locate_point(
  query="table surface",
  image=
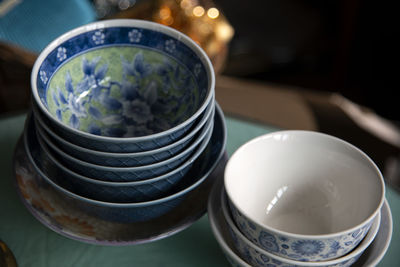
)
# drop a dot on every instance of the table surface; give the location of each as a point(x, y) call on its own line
point(33, 244)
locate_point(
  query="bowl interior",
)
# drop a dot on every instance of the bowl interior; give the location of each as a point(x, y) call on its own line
point(304, 183)
point(122, 81)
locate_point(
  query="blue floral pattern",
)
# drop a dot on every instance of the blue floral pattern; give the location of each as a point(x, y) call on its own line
point(308, 247)
point(135, 106)
point(43, 76)
point(135, 36)
point(298, 249)
point(161, 83)
point(268, 242)
point(98, 37)
point(255, 257)
point(61, 53)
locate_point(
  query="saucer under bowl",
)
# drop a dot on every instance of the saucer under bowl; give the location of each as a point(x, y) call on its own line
point(60, 214)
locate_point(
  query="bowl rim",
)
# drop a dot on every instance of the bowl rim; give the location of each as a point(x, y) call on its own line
point(204, 135)
point(125, 23)
point(367, 240)
point(311, 236)
point(215, 225)
point(208, 113)
point(220, 116)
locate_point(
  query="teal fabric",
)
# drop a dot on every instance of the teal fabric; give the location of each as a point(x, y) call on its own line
point(33, 24)
point(35, 245)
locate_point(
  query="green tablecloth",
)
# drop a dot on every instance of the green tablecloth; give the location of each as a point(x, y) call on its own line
point(35, 245)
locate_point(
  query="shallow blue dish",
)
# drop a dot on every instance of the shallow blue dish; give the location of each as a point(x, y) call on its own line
point(122, 85)
point(139, 211)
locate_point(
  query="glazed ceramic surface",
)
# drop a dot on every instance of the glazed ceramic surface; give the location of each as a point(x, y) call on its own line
point(126, 174)
point(219, 227)
point(123, 79)
point(256, 256)
point(370, 257)
point(130, 212)
point(376, 251)
point(62, 215)
point(126, 159)
point(121, 192)
point(291, 193)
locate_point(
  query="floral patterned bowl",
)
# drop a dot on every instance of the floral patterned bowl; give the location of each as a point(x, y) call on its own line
point(134, 211)
point(122, 85)
point(303, 195)
point(257, 256)
point(126, 174)
point(119, 192)
point(124, 159)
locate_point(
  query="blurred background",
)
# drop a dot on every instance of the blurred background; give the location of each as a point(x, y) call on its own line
point(326, 65)
point(336, 46)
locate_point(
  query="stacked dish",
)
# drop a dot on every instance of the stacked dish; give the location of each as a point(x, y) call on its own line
point(122, 109)
point(299, 198)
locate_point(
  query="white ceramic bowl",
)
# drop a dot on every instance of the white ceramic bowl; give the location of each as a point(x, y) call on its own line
point(219, 227)
point(256, 256)
point(303, 195)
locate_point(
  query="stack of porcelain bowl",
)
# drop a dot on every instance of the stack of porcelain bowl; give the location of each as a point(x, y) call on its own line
point(300, 198)
point(121, 111)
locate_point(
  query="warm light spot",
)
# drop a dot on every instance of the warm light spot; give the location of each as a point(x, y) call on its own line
point(198, 11)
point(168, 21)
point(205, 28)
point(187, 4)
point(224, 31)
point(165, 13)
point(213, 13)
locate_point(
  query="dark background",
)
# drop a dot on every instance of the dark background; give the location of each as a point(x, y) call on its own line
point(350, 47)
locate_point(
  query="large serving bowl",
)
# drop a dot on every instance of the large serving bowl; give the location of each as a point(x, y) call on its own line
point(121, 192)
point(303, 195)
point(125, 174)
point(257, 256)
point(135, 211)
point(124, 159)
point(122, 85)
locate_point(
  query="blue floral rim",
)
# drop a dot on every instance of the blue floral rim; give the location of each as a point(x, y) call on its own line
point(120, 36)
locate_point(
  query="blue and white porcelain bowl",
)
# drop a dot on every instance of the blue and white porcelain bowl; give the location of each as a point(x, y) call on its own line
point(303, 195)
point(121, 192)
point(126, 174)
point(122, 85)
point(256, 256)
point(124, 159)
point(134, 211)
